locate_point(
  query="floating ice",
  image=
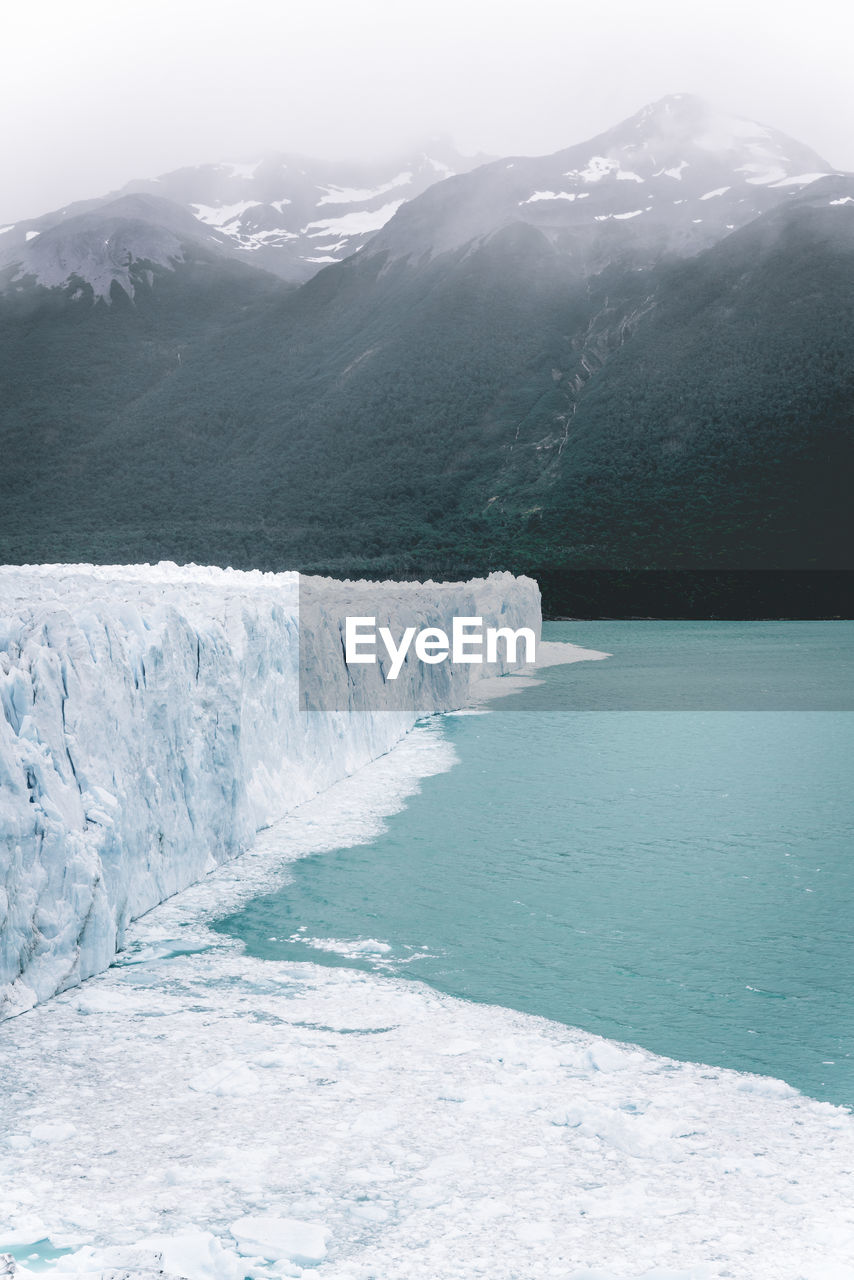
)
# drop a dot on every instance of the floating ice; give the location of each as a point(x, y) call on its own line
point(276, 1238)
point(362, 946)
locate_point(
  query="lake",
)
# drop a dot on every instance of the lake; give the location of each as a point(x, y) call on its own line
point(656, 847)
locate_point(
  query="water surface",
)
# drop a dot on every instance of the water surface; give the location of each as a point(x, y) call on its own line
point(682, 879)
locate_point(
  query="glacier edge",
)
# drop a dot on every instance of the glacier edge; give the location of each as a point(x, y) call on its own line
point(151, 725)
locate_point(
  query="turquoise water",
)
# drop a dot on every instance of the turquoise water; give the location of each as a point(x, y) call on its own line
point(38, 1256)
point(680, 879)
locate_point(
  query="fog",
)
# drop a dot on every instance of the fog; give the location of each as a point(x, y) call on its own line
point(96, 92)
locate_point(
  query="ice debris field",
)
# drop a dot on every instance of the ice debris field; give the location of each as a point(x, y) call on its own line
point(192, 1112)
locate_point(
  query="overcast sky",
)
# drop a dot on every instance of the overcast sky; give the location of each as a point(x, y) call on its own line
point(96, 92)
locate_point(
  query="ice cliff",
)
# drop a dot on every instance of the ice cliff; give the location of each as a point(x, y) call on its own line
point(153, 720)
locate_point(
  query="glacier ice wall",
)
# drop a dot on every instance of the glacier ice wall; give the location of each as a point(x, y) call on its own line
point(152, 724)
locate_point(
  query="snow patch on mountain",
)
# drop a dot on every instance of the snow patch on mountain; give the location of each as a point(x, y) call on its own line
point(674, 172)
point(555, 195)
point(352, 195)
point(354, 223)
point(800, 179)
point(620, 217)
point(222, 215)
point(763, 174)
point(244, 172)
point(724, 132)
point(597, 168)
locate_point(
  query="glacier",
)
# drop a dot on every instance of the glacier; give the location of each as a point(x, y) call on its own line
point(153, 721)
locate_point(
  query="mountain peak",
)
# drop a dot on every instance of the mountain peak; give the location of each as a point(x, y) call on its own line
point(674, 178)
point(109, 244)
point(684, 121)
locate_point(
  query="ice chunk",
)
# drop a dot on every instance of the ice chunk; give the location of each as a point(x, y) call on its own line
point(281, 1238)
point(232, 1077)
point(56, 1131)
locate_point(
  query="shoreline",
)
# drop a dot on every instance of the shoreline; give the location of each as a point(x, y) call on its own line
point(410, 1125)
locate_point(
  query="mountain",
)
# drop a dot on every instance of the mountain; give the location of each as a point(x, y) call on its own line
point(286, 214)
point(493, 381)
point(672, 179)
point(119, 242)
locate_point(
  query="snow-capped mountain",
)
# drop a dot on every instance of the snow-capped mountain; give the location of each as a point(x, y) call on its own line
point(287, 214)
point(676, 177)
point(293, 215)
point(118, 241)
point(635, 352)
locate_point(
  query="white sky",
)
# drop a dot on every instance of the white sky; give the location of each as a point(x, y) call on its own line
point(95, 92)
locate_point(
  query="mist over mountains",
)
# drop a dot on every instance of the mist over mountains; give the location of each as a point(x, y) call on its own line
point(286, 214)
point(630, 357)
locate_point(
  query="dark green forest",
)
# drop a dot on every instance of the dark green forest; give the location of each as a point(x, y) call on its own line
point(676, 439)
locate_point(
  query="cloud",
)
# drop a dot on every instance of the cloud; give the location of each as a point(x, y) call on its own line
point(103, 92)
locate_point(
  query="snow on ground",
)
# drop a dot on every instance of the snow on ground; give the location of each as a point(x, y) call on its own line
point(194, 1112)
